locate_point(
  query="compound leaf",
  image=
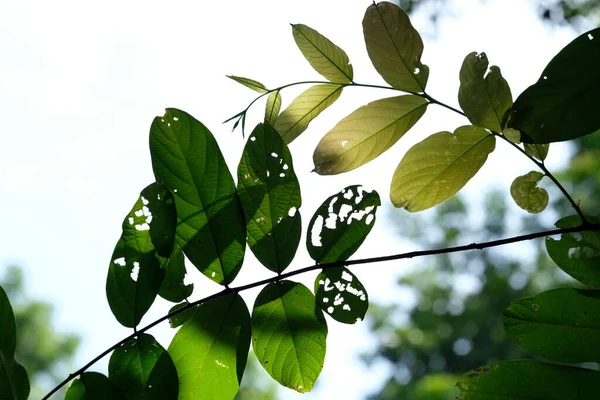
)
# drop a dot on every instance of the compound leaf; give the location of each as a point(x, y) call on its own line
point(14, 383)
point(92, 386)
point(249, 83)
point(527, 195)
point(341, 295)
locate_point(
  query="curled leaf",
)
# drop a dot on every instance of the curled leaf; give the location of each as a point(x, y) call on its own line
point(527, 195)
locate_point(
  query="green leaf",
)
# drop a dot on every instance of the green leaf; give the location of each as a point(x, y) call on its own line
point(173, 287)
point(92, 386)
point(527, 195)
point(307, 106)
point(14, 383)
point(134, 274)
point(395, 47)
point(512, 135)
point(484, 99)
point(289, 334)
point(181, 318)
point(341, 224)
point(528, 379)
point(341, 295)
point(436, 168)
point(561, 325)
point(270, 195)
point(538, 151)
point(211, 349)
point(563, 104)
point(142, 369)
point(324, 56)
point(272, 108)
point(366, 133)
point(250, 83)
point(578, 254)
point(186, 157)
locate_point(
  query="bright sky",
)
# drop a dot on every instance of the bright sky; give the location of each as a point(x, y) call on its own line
point(80, 83)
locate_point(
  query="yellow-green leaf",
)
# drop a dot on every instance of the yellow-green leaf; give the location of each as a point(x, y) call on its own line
point(366, 133)
point(527, 195)
point(249, 83)
point(395, 47)
point(512, 135)
point(323, 55)
point(436, 168)
point(273, 107)
point(538, 151)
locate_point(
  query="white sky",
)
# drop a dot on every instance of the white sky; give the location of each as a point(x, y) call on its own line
point(80, 83)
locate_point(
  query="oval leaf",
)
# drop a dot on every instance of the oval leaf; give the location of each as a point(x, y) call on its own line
point(436, 168)
point(537, 151)
point(561, 324)
point(173, 287)
point(92, 386)
point(324, 56)
point(272, 108)
point(527, 195)
point(14, 383)
point(563, 104)
point(395, 47)
point(341, 295)
point(366, 133)
point(341, 224)
point(181, 317)
point(484, 99)
point(211, 349)
point(270, 195)
point(307, 106)
point(249, 83)
point(186, 157)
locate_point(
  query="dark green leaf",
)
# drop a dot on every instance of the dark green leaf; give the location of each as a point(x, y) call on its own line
point(538, 151)
point(527, 195)
point(173, 287)
point(92, 386)
point(289, 334)
point(181, 318)
point(272, 108)
point(249, 83)
point(341, 295)
point(186, 157)
point(270, 195)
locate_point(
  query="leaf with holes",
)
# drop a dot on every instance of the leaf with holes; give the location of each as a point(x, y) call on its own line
point(14, 383)
point(341, 224)
point(537, 151)
point(92, 386)
point(436, 168)
point(270, 195)
point(366, 133)
point(211, 349)
point(142, 369)
point(272, 108)
point(341, 295)
point(180, 318)
point(395, 47)
point(173, 287)
point(483, 97)
point(186, 157)
point(307, 106)
point(578, 254)
point(563, 104)
point(249, 83)
point(560, 325)
point(527, 195)
point(289, 334)
point(324, 56)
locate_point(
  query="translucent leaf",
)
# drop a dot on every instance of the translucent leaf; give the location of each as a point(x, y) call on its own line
point(14, 383)
point(92, 386)
point(272, 108)
point(538, 151)
point(560, 325)
point(484, 99)
point(436, 168)
point(527, 195)
point(181, 318)
point(250, 83)
point(289, 334)
point(341, 295)
point(324, 56)
point(512, 135)
point(270, 195)
point(366, 133)
point(173, 287)
point(563, 104)
point(186, 157)
point(578, 254)
point(341, 224)
point(395, 47)
point(211, 349)
point(143, 370)
point(307, 106)
point(528, 380)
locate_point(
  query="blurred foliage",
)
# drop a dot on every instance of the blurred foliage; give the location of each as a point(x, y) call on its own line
point(256, 383)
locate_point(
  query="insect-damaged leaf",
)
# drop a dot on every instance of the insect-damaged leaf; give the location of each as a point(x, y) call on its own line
point(395, 47)
point(142, 369)
point(341, 224)
point(324, 56)
point(249, 83)
point(527, 195)
point(538, 151)
point(289, 334)
point(366, 133)
point(186, 157)
point(341, 295)
point(272, 108)
point(436, 168)
point(211, 349)
point(92, 386)
point(270, 195)
point(563, 104)
point(173, 287)
point(560, 324)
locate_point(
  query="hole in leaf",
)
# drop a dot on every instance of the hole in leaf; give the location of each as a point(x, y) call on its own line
point(135, 271)
point(331, 221)
point(282, 175)
point(285, 166)
point(131, 221)
point(274, 155)
point(344, 142)
point(174, 119)
point(120, 261)
point(144, 201)
point(590, 36)
point(417, 70)
point(292, 211)
point(315, 233)
point(252, 138)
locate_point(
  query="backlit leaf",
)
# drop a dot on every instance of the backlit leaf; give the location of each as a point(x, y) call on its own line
point(395, 47)
point(186, 157)
point(366, 133)
point(324, 56)
point(173, 287)
point(270, 195)
point(538, 151)
point(289, 334)
point(436, 168)
point(341, 295)
point(307, 106)
point(92, 386)
point(180, 318)
point(527, 195)
point(14, 383)
point(249, 83)
point(272, 108)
